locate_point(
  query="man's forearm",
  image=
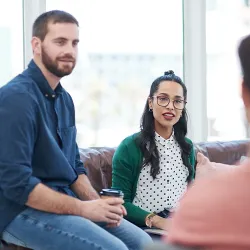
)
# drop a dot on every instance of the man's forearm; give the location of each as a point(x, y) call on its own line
point(46, 199)
point(83, 188)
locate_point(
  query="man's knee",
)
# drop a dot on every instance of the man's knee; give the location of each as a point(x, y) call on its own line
point(142, 239)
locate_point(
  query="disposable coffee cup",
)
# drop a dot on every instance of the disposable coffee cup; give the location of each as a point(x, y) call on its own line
point(108, 193)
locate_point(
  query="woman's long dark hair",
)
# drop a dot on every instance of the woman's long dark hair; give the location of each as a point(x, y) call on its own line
point(146, 139)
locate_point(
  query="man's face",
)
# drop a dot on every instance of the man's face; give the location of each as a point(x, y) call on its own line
point(60, 48)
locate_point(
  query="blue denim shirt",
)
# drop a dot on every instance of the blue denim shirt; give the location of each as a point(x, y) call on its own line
point(37, 141)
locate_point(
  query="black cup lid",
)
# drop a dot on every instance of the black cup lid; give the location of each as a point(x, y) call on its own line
point(111, 192)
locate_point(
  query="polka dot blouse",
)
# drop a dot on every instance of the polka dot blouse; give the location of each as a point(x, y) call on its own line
point(169, 185)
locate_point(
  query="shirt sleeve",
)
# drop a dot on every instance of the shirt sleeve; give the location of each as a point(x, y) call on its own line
point(17, 136)
point(80, 169)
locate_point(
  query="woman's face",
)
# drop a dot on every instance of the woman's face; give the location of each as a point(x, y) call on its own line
point(170, 96)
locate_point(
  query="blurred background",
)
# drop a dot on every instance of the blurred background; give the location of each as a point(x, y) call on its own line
point(125, 45)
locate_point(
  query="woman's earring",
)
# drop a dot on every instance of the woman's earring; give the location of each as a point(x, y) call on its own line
point(150, 110)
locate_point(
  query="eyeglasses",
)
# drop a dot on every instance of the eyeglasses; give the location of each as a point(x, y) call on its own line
point(163, 101)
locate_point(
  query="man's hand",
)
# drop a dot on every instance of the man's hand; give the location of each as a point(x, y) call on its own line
point(103, 210)
point(109, 225)
point(206, 168)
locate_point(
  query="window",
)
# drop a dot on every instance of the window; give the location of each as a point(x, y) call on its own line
point(246, 3)
point(124, 46)
point(211, 4)
point(11, 39)
point(226, 25)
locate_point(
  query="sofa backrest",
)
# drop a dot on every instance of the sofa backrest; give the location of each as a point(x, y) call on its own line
point(228, 152)
point(98, 160)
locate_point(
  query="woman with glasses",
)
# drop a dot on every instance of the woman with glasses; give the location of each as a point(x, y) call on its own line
point(153, 167)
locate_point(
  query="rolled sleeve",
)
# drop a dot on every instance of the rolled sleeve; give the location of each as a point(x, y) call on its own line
point(17, 136)
point(80, 169)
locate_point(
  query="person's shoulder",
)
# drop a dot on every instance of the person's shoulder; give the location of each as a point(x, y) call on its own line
point(128, 144)
point(67, 98)
point(66, 93)
point(18, 85)
point(207, 200)
point(219, 188)
point(128, 149)
point(17, 95)
point(131, 139)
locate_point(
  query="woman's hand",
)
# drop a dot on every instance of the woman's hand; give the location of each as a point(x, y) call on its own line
point(161, 223)
point(204, 166)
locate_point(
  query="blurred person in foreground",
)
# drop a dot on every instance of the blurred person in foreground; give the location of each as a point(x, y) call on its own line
point(214, 214)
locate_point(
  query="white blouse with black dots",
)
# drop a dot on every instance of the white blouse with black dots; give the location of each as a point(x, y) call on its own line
point(170, 184)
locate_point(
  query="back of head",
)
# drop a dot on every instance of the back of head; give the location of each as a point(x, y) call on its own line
point(244, 56)
point(40, 26)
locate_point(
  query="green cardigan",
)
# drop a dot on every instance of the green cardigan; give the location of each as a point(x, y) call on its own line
point(126, 165)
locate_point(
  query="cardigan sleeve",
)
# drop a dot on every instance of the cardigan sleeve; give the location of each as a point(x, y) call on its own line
point(192, 157)
point(124, 177)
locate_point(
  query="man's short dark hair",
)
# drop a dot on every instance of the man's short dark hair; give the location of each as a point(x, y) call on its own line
point(244, 56)
point(40, 26)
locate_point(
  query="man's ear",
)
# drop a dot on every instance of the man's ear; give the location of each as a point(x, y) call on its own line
point(36, 45)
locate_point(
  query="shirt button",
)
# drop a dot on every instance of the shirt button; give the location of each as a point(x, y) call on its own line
point(46, 95)
point(53, 96)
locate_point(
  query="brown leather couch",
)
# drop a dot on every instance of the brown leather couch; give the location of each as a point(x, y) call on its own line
point(98, 162)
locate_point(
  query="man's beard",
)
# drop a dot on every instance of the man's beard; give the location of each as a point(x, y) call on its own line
point(53, 65)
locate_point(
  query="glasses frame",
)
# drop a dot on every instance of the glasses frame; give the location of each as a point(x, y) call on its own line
point(157, 98)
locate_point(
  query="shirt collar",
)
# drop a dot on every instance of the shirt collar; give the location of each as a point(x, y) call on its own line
point(164, 142)
point(36, 74)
